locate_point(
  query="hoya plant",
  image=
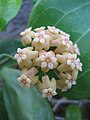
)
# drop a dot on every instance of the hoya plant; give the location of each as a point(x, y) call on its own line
point(51, 59)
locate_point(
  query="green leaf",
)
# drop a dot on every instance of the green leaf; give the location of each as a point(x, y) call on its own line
point(73, 112)
point(9, 46)
point(8, 10)
point(3, 113)
point(34, 1)
point(7, 50)
point(73, 17)
point(23, 103)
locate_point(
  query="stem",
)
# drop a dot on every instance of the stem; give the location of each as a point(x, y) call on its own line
point(7, 55)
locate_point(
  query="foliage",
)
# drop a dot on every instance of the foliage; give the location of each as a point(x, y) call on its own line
point(73, 112)
point(8, 48)
point(23, 103)
point(69, 16)
point(3, 113)
point(8, 10)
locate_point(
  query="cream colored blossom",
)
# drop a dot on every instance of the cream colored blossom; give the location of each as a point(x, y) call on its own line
point(51, 49)
point(64, 35)
point(69, 81)
point(66, 43)
point(78, 64)
point(20, 56)
point(74, 74)
point(39, 29)
point(40, 37)
point(76, 49)
point(63, 66)
point(28, 78)
point(24, 81)
point(41, 40)
point(25, 56)
point(27, 36)
point(53, 29)
point(71, 60)
point(74, 62)
point(47, 87)
point(66, 81)
point(48, 60)
point(64, 48)
point(27, 31)
point(56, 42)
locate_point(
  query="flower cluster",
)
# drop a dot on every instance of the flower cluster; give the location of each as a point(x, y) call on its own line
point(49, 49)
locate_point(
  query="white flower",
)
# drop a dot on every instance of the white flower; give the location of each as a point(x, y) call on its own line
point(24, 81)
point(47, 87)
point(53, 30)
point(40, 37)
point(48, 59)
point(39, 29)
point(72, 60)
point(69, 81)
point(78, 64)
point(27, 31)
point(65, 35)
point(27, 36)
point(76, 49)
point(67, 43)
point(28, 77)
point(48, 93)
point(20, 56)
point(25, 57)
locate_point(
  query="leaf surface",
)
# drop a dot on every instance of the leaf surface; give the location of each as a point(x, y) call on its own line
point(73, 112)
point(73, 17)
point(8, 10)
point(23, 103)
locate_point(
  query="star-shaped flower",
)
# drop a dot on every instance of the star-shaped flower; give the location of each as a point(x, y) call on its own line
point(20, 56)
point(24, 81)
point(76, 49)
point(39, 29)
point(69, 81)
point(47, 87)
point(78, 64)
point(27, 36)
point(25, 56)
point(41, 40)
point(71, 60)
point(28, 78)
point(53, 30)
point(48, 60)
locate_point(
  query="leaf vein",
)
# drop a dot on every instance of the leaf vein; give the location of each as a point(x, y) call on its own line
point(82, 35)
point(84, 73)
point(71, 12)
point(44, 12)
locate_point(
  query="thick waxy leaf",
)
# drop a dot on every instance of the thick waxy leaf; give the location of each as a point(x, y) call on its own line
point(8, 10)
point(73, 112)
point(3, 113)
point(73, 17)
point(7, 48)
point(23, 103)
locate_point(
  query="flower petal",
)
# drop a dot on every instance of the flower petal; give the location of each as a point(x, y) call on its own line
point(50, 65)
point(43, 64)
